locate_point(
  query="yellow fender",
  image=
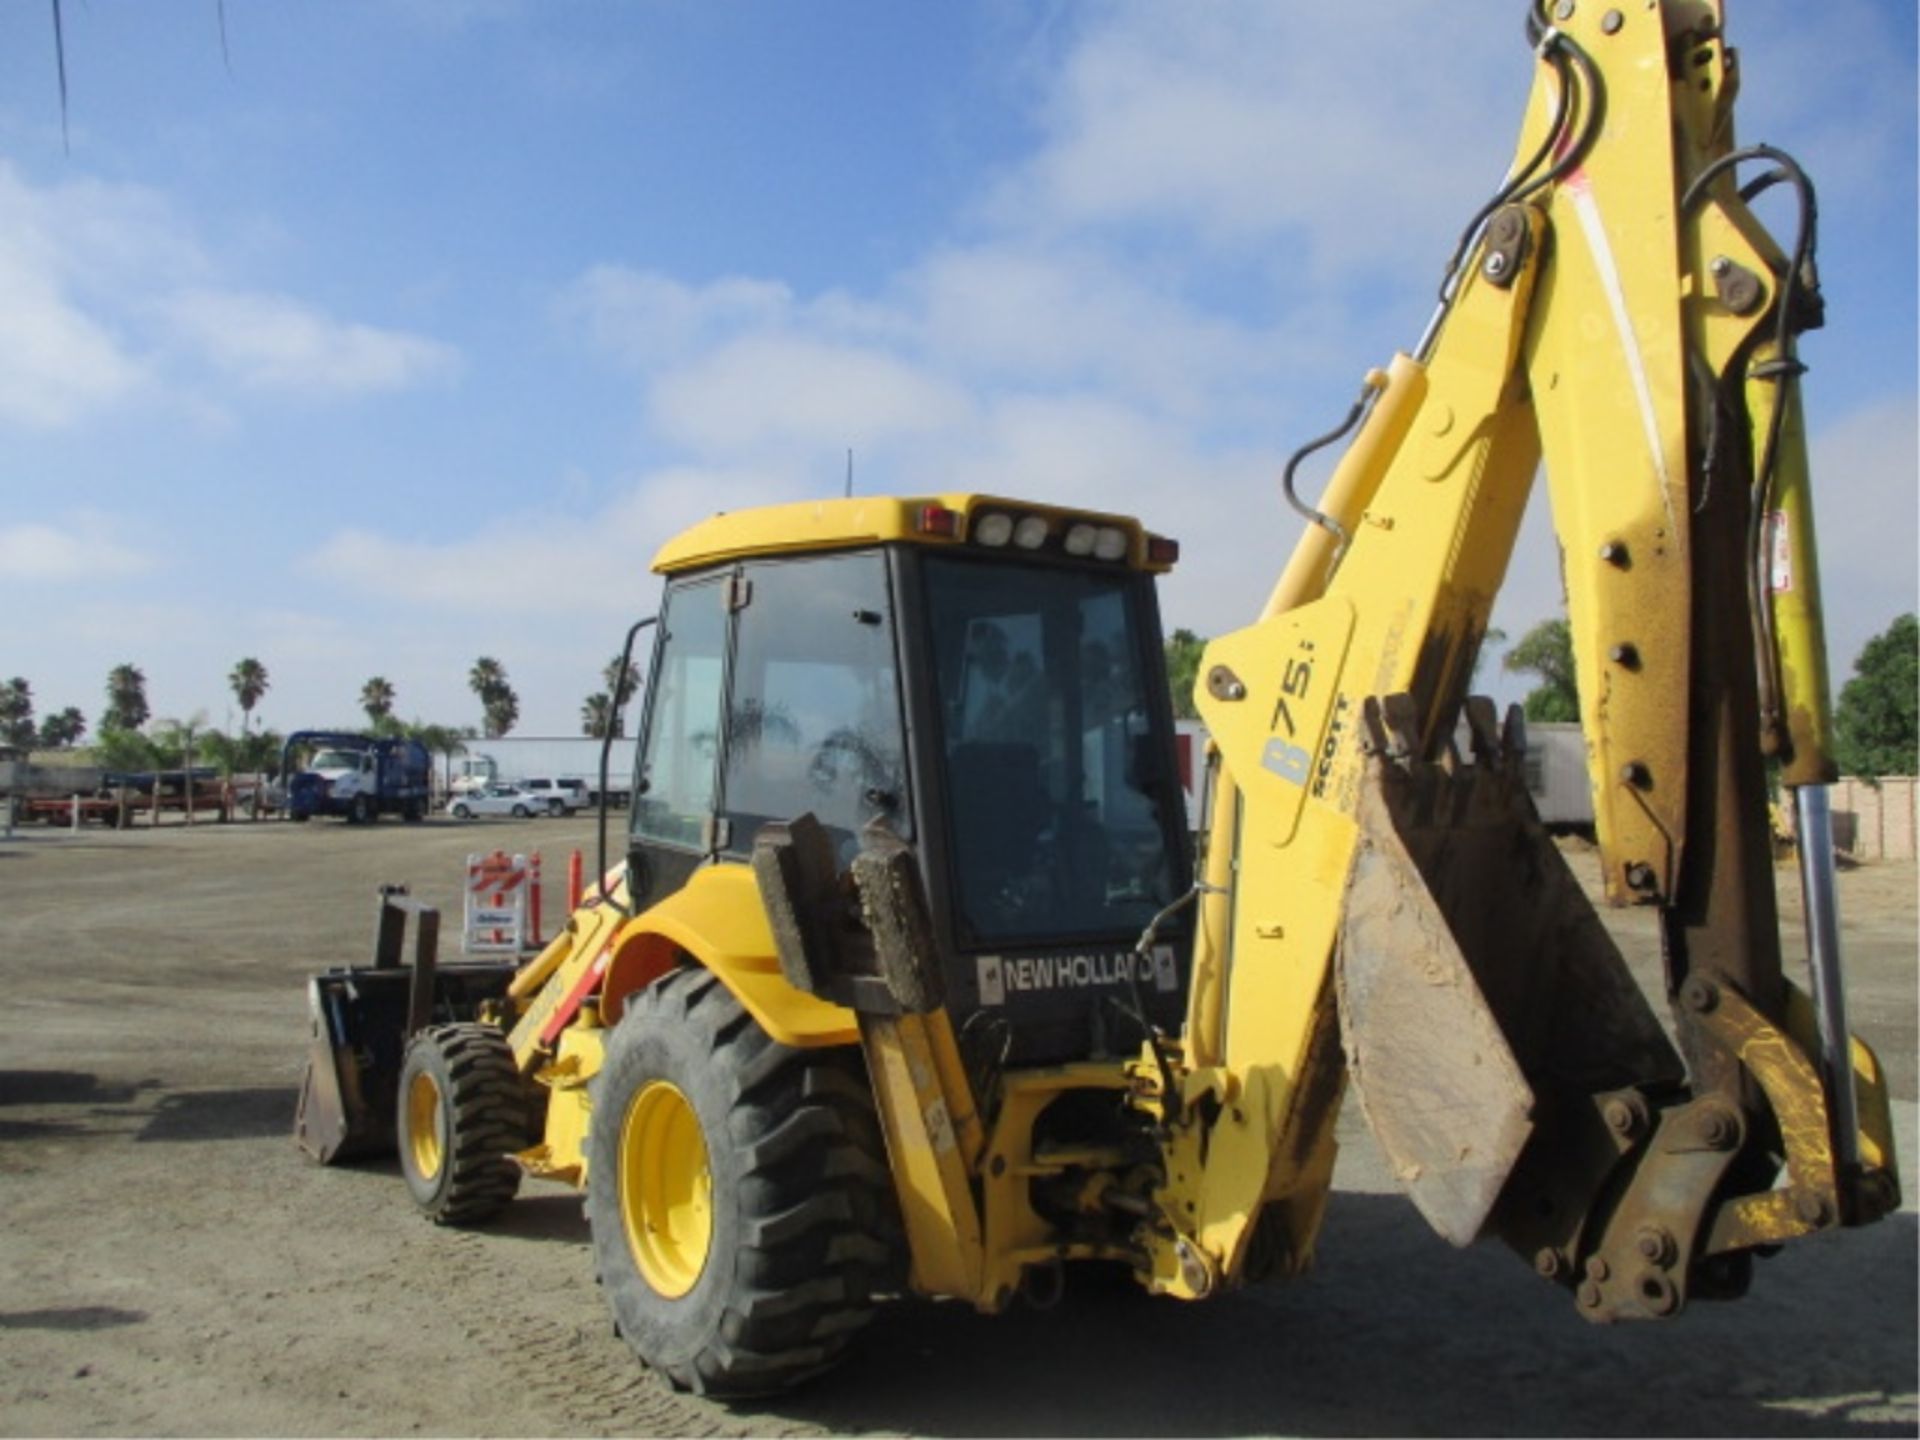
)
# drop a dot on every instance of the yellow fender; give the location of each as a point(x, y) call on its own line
point(717, 920)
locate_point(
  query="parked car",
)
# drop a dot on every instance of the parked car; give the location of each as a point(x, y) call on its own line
point(560, 797)
point(497, 800)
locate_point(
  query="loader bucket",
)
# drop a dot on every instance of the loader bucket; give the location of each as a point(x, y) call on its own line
point(1478, 990)
point(362, 1017)
point(348, 1094)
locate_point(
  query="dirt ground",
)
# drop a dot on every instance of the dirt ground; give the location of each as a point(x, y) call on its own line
point(170, 1264)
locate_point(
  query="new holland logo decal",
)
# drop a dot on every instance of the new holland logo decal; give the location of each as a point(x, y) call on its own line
point(1003, 975)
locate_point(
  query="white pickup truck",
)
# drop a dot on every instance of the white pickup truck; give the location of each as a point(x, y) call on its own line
point(561, 797)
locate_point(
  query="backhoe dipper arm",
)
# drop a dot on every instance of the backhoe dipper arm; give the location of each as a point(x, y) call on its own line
point(1617, 311)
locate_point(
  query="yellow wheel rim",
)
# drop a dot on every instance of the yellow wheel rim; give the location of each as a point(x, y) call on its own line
point(426, 1123)
point(666, 1189)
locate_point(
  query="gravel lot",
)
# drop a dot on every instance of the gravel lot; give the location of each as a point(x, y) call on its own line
point(171, 1264)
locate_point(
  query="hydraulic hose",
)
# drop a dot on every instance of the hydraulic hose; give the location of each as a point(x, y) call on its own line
point(1785, 370)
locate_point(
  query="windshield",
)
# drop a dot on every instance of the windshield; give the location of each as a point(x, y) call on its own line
point(336, 760)
point(1053, 778)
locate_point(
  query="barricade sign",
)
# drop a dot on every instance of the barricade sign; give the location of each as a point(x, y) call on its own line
point(502, 911)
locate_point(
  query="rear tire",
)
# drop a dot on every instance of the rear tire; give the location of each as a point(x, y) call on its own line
point(464, 1110)
point(737, 1191)
point(362, 812)
point(461, 812)
point(556, 808)
point(520, 812)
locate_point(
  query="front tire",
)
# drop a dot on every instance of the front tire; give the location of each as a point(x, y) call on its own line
point(521, 812)
point(464, 1110)
point(461, 812)
point(362, 812)
point(737, 1192)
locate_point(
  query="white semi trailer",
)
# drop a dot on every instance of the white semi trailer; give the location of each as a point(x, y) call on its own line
point(513, 758)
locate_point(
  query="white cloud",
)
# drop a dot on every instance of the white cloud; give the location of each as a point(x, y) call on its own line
point(561, 563)
point(83, 547)
point(1244, 123)
point(645, 318)
point(58, 361)
point(106, 292)
point(56, 364)
point(1014, 313)
point(778, 394)
point(272, 342)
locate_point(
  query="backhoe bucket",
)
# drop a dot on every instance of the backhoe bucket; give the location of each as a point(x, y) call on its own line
point(1477, 987)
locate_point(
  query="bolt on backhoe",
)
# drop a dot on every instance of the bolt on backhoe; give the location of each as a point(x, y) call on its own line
point(909, 977)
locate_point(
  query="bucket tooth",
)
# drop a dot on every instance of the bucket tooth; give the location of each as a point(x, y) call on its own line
point(1483, 731)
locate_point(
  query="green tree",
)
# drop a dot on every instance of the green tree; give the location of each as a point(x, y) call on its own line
point(1877, 722)
point(127, 707)
point(176, 744)
point(118, 748)
point(1546, 651)
point(220, 750)
point(596, 713)
point(16, 713)
point(248, 753)
point(1183, 650)
point(59, 732)
point(249, 682)
point(259, 753)
point(499, 706)
point(376, 698)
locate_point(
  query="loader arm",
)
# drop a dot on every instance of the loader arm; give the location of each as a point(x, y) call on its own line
point(1376, 907)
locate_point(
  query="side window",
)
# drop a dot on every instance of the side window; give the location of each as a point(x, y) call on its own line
point(814, 723)
point(683, 719)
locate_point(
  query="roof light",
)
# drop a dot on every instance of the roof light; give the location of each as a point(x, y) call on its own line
point(938, 520)
point(1079, 541)
point(994, 528)
point(1162, 551)
point(1110, 543)
point(1031, 532)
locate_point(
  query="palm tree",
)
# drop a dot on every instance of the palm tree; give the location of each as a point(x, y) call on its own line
point(595, 715)
point(249, 682)
point(487, 676)
point(621, 694)
point(503, 710)
point(376, 698)
point(63, 730)
point(445, 741)
point(126, 699)
point(498, 704)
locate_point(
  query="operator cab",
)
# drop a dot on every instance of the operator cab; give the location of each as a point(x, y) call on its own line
point(996, 702)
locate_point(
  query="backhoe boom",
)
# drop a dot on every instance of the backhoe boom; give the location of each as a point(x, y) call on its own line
point(1618, 312)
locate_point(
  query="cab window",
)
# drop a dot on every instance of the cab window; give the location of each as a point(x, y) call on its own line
point(678, 767)
point(813, 720)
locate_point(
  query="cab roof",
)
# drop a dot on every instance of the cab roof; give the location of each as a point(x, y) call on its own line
point(937, 521)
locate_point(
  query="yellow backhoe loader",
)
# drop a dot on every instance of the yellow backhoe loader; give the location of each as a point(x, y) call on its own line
point(909, 977)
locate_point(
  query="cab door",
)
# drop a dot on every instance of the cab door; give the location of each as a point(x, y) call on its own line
point(677, 782)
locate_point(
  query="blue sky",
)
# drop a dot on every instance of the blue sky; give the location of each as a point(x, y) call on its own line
point(406, 336)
